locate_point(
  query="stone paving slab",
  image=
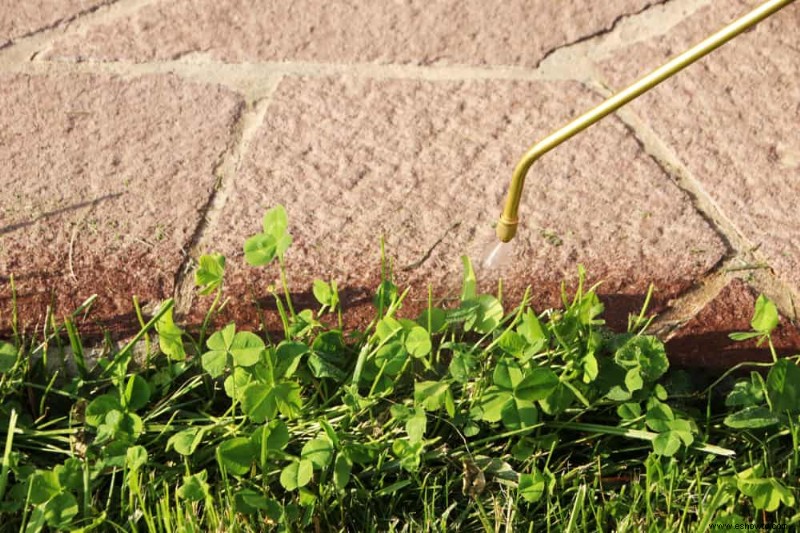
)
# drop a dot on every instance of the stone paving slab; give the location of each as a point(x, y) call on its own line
point(469, 32)
point(104, 180)
point(400, 119)
point(22, 17)
point(704, 343)
point(733, 120)
point(426, 164)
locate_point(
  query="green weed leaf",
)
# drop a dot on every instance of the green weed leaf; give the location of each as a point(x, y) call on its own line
point(275, 221)
point(751, 418)
point(518, 414)
point(532, 486)
point(287, 396)
point(341, 471)
point(135, 458)
point(249, 501)
point(408, 453)
point(629, 411)
point(287, 356)
point(297, 474)
point(170, 337)
point(507, 374)
point(259, 402)
point(137, 392)
point(8, 356)
point(246, 349)
point(60, 510)
point(275, 435)
point(537, 385)
point(470, 284)
point(532, 330)
point(319, 451)
point(236, 455)
point(418, 342)
point(44, 485)
point(767, 493)
point(435, 318)
point(667, 443)
point(70, 474)
point(462, 366)
point(392, 358)
point(194, 488)
point(416, 426)
point(747, 393)
point(492, 402)
point(558, 401)
point(765, 317)
point(431, 395)
point(214, 362)
point(783, 387)
point(326, 294)
point(487, 316)
point(98, 408)
point(185, 442)
point(659, 416)
point(260, 249)
point(209, 274)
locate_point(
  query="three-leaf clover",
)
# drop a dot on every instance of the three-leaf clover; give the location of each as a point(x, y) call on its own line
point(227, 348)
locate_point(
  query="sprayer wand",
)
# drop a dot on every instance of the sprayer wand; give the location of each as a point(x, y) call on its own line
point(507, 224)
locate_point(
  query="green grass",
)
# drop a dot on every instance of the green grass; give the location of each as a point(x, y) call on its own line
point(472, 418)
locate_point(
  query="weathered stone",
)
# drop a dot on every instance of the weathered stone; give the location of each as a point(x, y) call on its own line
point(472, 32)
point(20, 18)
point(733, 121)
point(104, 181)
point(426, 166)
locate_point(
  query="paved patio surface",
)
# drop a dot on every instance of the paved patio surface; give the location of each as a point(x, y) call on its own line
point(136, 135)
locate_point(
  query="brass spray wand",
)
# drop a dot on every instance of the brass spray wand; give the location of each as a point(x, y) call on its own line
point(507, 224)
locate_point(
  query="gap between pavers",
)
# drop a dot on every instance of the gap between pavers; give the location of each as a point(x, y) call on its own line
point(732, 120)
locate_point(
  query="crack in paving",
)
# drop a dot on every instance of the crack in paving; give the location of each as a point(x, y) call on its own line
point(62, 22)
point(649, 23)
point(29, 47)
point(251, 115)
point(418, 263)
point(610, 28)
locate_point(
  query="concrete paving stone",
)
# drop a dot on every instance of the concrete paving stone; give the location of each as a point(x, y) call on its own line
point(733, 120)
point(20, 18)
point(468, 32)
point(426, 165)
point(104, 180)
point(703, 342)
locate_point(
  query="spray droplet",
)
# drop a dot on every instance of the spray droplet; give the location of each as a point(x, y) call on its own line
point(497, 256)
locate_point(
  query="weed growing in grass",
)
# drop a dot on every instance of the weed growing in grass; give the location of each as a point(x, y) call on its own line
point(468, 418)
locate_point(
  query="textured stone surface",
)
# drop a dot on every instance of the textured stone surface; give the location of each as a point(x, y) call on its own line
point(704, 343)
point(354, 159)
point(22, 17)
point(103, 183)
point(734, 120)
point(474, 32)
